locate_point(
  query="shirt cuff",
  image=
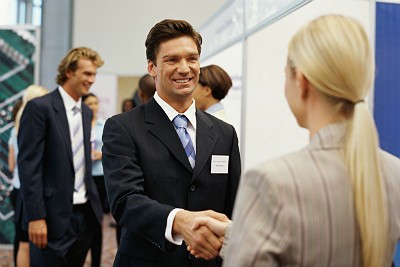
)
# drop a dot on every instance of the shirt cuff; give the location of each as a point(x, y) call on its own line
point(176, 239)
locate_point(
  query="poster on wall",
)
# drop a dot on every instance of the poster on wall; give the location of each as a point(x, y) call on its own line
point(19, 47)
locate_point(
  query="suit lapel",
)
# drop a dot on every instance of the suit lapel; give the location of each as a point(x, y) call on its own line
point(87, 122)
point(62, 122)
point(161, 127)
point(206, 138)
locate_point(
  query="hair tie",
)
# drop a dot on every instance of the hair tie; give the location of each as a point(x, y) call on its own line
point(359, 101)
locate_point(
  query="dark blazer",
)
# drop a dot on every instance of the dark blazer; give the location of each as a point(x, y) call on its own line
point(45, 163)
point(147, 175)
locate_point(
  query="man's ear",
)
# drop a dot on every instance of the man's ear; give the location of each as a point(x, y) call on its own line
point(207, 90)
point(68, 73)
point(302, 83)
point(151, 68)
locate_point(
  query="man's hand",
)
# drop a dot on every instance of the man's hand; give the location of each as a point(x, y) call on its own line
point(202, 240)
point(96, 155)
point(218, 227)
point(38, 233)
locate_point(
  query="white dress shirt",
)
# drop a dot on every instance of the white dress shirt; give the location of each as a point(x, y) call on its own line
point(69, 103)
point(190, 113)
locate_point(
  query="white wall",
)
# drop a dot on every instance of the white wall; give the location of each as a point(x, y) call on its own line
point(117, 29)
point(270, 128)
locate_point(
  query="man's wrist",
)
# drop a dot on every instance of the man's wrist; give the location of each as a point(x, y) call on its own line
point(171, 234)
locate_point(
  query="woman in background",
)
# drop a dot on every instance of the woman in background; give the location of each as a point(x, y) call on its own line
point(127, 104)
point(335, 202)
point(15, 183)
point(214, 84)
point(21, 235)
point(92, 101)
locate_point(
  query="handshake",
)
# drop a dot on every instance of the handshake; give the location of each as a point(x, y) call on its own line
point(202, 231)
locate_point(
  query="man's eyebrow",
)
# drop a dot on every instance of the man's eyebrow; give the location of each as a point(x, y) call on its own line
point(169, 55)
point(176, 55)
point(194, 54)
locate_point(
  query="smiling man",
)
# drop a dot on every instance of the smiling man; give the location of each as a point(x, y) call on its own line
point(166, 163)
point(60, 197)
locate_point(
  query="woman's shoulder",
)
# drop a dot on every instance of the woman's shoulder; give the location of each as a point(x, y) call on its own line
point(390, 164)
point(100, 121)
point(282, 167)
point(389, 158)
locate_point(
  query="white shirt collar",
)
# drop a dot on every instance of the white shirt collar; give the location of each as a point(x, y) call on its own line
point(69, 102)
point(190, 113)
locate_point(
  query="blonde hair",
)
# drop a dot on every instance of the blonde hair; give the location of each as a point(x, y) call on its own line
point(31, 92)
point(70, 62)
point(334, 54)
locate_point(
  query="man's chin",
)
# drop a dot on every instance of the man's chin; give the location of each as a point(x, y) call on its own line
point(186, 90)
point(85, 92)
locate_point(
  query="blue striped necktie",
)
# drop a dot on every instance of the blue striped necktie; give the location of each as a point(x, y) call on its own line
point(78, 150)
point(180, 122)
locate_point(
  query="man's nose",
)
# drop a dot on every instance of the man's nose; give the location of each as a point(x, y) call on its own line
point(183, 66)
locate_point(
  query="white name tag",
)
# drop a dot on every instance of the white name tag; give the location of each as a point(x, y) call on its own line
point(219, 164)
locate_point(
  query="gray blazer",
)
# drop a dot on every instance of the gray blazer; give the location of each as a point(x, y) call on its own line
point(298, 210)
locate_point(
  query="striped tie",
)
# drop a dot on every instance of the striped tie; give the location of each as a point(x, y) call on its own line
point(78, 149)
point(180, 122)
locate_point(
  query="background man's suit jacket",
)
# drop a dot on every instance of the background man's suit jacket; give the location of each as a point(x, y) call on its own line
point(148, 174)
point(45, 163)
point(298, 210)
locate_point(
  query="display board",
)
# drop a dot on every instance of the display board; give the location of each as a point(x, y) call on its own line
point(18, 61)
point(271, 129)
point(387, 82)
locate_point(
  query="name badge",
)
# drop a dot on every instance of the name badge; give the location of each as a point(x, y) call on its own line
point(219, 164)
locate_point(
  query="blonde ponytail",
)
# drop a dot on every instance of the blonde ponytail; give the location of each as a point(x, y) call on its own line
point(361, 157)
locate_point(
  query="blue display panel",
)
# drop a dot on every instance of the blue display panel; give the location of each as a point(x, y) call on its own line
point(387, 82)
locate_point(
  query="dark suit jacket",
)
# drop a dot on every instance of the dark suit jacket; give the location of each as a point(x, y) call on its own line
point(45, 163)
point(148, 174)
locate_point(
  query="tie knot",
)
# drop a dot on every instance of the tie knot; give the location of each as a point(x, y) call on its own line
point(180, 121)
point(76, 110)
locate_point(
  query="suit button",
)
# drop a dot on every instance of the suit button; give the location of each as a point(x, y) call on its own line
point(192, 188)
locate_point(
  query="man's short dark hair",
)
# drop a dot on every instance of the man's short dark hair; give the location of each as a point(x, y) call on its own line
point(147, 85)
point(166, 30)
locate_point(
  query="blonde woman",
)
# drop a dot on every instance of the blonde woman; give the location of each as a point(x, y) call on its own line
point(335, 202)
point(21, 235)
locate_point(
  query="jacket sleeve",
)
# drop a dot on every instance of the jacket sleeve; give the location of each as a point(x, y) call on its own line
point(31, 143)
point(234, 174)
point(124, 180)
point(258, 234)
